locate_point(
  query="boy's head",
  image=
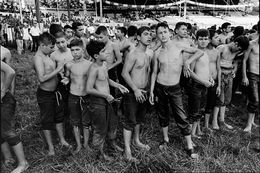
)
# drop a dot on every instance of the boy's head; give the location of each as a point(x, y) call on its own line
point(238, 30)
point(55, 28)
point(226, 27)
point(181, 29)
point(68, 31)
point(121, 32)
point(153, 31)
point(102, 34)
point(214, 37)
point(144, 35)
point(240, 43)
point(202, 37)
point(163, 33)
point(46, 43)
point(61, 41)
point(95, 50)
point(78, 29)
point(76, 48)
point(131, 31)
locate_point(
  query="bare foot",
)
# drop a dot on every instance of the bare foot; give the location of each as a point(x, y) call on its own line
point(215, 127)
point(77, 150)
point(9, 162)
point(248, 129)
point(65, 144)
point(130, 158)
point(164, 145)
point(107, 158)
point(255, 125)
point(195, 136)
point(21, 168)
point(86, 146)
point(116, 147)
point(142, 146)
point(51, 152)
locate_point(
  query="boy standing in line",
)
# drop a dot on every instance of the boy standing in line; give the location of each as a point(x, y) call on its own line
point(77, 72)
point(49, 99)
point(136, 73)
point(251, 79)
point(8, 134)
point(104, 120)
point(228, 66)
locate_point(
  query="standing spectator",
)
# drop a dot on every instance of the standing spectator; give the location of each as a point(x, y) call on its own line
point(26, 35)
point(19, 39)
point(35, 32)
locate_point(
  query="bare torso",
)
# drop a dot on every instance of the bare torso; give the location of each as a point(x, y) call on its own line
point(254, 58)
point(101, 83)
point(59, 57)
point(78, 76)
point(202, 67)
point(213, 56)
point(109, 51)
point(226, 57)
point(141, 69)
point(49, 66)
point(170, 65)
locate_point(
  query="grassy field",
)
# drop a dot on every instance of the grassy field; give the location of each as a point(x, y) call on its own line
point(221, 151)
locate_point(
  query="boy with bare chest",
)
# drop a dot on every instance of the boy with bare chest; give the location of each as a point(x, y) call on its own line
point(60, 55)
point(228, 68)
point(165, 87)
point(200, 72)
point(104, 121)
point(49, 99)
point(77, 72)
point(136, 73)
point(251, 79)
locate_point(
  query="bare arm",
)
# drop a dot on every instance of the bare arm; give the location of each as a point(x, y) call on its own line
point(244, 67)
point(39, 68)
point(9, 77)
point(91, 83)
point(129, 64)
point(196, 55)
point(218, 70)
point(118, 56)
point(153, 77)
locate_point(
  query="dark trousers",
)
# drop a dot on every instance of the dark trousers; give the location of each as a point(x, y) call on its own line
point(172, 95)
point(35, 43)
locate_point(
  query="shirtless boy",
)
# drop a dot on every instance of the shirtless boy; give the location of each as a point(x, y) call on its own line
point(251, 79)
point(228, 66)
point(114, 58)
point(8, 134)
point(69, 33)
point(103, 119)
point(77, 72)
point(201, 69)
point(61, 54)
point(136, 73)
point(49, 100)
point(165, 86)
point(215, 70)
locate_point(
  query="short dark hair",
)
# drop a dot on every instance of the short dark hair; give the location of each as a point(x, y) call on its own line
point(153, 26)
point(189, 26)
point(131, 31)
point(47, 38)
point(162, 24)
point(55, 28)
point(101, 29)
point(122, 29)
point(75, 25)
point(76, 42)
point(225, 25)
point(212, 32)
point(67, 27)
point(142, 29)
point(202, 33)
point(239, 30)
point(179, 24)
point(242, 41)
point(94, 47)
point(60, 34)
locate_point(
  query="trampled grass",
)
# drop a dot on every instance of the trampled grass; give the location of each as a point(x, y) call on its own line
point(221, 151)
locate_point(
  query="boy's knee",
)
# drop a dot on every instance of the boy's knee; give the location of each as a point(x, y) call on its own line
point(12, 138)
point(253, 107)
